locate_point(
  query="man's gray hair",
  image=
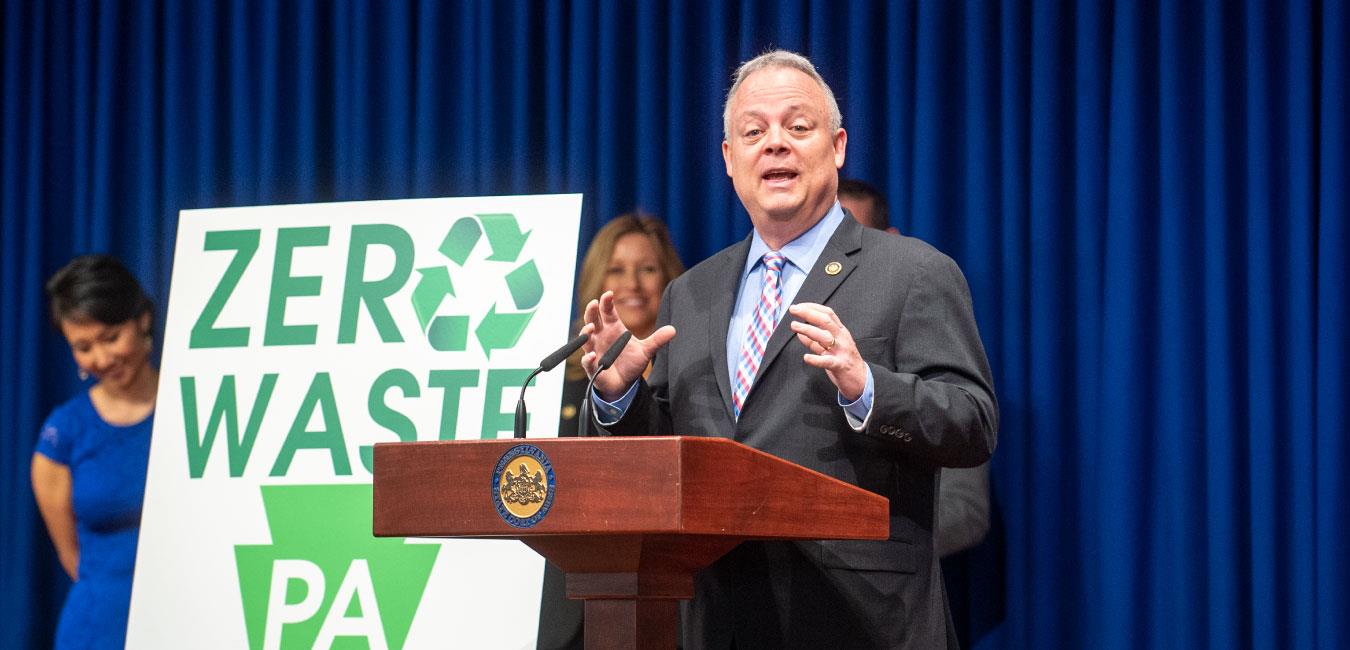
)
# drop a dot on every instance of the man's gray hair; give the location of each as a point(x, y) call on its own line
point(779, 59)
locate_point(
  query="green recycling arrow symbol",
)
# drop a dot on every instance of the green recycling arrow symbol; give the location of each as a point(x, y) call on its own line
point(527, 288)
point(504, 236)
point(432, 288)
point(461, 239)
point(497, 330)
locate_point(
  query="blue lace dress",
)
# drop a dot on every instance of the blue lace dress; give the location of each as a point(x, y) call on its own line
point(107, 466)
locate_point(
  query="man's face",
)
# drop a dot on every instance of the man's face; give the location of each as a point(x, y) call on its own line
point(780, 153)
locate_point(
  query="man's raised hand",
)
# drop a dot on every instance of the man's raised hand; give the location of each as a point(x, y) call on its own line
point(606, 328)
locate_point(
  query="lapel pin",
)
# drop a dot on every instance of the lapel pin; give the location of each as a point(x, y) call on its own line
point(833, 268)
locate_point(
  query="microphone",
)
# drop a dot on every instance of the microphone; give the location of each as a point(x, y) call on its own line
point(606, 360)
point(550, 362)
point(611, 354)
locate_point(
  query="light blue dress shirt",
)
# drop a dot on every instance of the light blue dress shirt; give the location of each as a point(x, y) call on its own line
point(801, 255)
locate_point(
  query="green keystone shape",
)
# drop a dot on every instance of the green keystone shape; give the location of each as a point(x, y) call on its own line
point(329, 526)
point(431, 289)
point(503, 235)
point(527, 288)
point(461, 239)
point(501, 331)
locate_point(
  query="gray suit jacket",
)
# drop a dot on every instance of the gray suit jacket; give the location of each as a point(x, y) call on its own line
point(908, 308)
point(963, 508)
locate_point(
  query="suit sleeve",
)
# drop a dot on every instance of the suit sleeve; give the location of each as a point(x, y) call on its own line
point(937, 402)
point(963, 508)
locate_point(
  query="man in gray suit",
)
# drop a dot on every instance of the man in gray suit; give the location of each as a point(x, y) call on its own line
point(879, 379)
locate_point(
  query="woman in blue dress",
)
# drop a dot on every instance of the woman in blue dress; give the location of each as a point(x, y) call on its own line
point(89, 465)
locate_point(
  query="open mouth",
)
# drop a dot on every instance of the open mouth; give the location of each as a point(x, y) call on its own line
point(779, 176)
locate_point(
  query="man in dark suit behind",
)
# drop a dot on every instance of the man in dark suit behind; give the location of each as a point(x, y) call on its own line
point(879, 379)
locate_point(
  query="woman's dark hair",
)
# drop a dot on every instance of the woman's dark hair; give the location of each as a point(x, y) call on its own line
point(97, 288)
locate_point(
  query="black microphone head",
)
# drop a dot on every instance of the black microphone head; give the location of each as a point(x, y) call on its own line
point(613, 352)
point(563, 352)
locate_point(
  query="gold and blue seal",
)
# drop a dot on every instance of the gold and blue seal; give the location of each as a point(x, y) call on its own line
point(522, 485)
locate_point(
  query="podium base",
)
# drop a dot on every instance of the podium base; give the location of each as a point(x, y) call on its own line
point(631, 624)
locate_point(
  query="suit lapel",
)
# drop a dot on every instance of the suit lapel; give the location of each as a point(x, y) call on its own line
point(817, 288)
point(724, 300)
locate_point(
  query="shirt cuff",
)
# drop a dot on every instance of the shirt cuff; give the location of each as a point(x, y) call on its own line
point(858, 411)
point(607, 413)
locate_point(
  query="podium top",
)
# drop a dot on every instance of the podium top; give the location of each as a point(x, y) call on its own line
point(687, 486)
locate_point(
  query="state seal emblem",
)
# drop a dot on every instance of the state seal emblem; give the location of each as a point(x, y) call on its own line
point(523, 485)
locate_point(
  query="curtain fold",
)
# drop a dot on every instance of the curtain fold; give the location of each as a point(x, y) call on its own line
point(1148, 199)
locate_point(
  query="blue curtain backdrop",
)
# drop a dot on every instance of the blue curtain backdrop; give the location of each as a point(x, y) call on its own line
point(1149, 201)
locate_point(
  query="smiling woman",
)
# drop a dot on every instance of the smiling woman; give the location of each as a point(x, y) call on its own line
point(633, 257)
point(89, 465)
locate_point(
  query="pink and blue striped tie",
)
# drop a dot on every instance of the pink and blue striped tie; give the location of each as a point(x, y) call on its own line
point(761, 327)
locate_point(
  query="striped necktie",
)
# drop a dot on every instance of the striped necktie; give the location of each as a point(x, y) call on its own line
point(761, 327)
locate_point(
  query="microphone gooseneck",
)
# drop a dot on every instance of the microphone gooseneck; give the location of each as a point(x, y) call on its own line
point(563, 352)
point(550, 362)
point(613, 352)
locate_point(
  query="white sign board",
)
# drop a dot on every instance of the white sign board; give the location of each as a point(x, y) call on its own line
point(297, 337)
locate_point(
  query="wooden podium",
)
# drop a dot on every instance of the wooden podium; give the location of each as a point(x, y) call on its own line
point(629, 520)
